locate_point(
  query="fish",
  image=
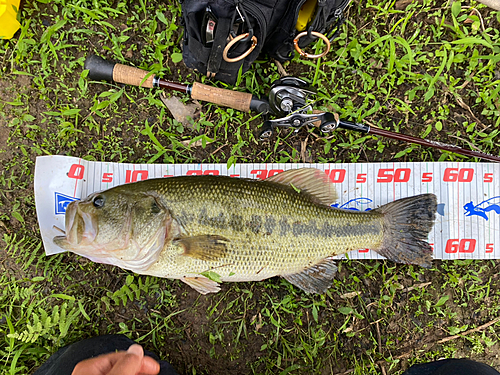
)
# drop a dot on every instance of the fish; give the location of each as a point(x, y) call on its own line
point(204, 230)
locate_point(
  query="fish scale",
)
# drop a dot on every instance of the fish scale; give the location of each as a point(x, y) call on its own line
point(241, 229)
point(255, 255)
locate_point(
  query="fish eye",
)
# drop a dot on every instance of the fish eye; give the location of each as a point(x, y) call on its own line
point(154, 208)
point(98, 202)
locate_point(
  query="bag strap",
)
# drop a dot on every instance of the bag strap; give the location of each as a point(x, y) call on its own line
point(214, 61)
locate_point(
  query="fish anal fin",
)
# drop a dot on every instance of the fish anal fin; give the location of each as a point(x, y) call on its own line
point(315, 279)
point(310, 180)
point(204, 247)
point(201, 284)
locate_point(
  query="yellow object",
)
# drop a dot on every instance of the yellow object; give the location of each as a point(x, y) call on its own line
point(306, 14)
point(8, 18)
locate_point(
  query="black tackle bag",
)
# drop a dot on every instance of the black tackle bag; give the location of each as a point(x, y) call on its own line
point(220, 36)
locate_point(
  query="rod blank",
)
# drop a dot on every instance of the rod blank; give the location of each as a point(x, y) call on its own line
point(349, 125)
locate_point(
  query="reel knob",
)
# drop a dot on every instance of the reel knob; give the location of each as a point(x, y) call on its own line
point(266, 132)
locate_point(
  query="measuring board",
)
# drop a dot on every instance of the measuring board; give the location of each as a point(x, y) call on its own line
point(467, 222)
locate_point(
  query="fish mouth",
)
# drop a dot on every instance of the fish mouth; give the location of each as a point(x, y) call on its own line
point(62, 242)
point(80, 230)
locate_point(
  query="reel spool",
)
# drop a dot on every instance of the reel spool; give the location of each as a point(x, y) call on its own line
point(290, 95)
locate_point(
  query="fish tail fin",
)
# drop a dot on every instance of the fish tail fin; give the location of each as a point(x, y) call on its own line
point(407, 223)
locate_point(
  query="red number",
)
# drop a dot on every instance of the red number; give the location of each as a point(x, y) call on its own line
point(402, 175)
point(234, 175)
point(489, 247)
point(385, 175)
point(107, 177)
point(460, 175)
point(450, 175)
point(427, 177)
point(211, 172)
point(363, 250)
point(261, 174)
point(488, 177)
point(337, 176)
point(465, 175)
point(398, 175)
point(361, 178)
point(199, 172)
point(76, 171)
point(139, 175)
point(466, 245)
point(273, 172)
point(134, 176)
point(451, 246)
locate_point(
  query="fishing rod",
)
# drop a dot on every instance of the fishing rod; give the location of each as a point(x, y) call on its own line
point(328, 122)
point(349, 125)
point(100, 69)
point(288, 97)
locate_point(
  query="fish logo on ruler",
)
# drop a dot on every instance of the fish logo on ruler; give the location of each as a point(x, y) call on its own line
point(62, 201)
point(355, 202)
point(481, 209)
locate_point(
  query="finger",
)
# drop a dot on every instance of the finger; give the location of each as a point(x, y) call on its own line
point(136, 349)
point(149, 366)
point(130, 363)
point(97, 366)
point(103, 364)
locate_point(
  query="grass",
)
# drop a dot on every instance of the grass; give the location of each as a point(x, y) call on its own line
point(429, 71)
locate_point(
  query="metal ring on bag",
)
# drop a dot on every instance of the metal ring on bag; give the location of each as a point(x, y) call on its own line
point(233, 42)
point(315, 33)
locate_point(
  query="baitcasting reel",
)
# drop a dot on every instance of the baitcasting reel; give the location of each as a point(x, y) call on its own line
point(289, 99)
point(290, 94)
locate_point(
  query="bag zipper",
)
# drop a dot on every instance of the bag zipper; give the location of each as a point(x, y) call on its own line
point(257, 13)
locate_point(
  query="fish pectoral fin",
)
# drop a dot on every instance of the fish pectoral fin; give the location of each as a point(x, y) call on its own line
point(205, 247)
point(201, 284)
point(315, 279)
point(310, 180)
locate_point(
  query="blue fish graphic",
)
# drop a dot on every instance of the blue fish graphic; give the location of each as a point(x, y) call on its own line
point(62, 201)
point(481, 209)
point(356, 202)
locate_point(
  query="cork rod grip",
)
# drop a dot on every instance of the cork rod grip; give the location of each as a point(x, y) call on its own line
point(131, 76)
point(226, 98)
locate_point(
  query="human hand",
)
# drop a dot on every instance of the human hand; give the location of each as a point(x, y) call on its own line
point(131, 362)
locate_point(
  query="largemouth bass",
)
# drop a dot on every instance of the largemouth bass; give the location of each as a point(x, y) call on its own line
point(241, 229)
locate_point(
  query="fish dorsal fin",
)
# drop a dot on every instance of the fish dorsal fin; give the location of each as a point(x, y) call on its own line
point(205, 247)
point(201, 284)
point(311, 180)
point(315, 279)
